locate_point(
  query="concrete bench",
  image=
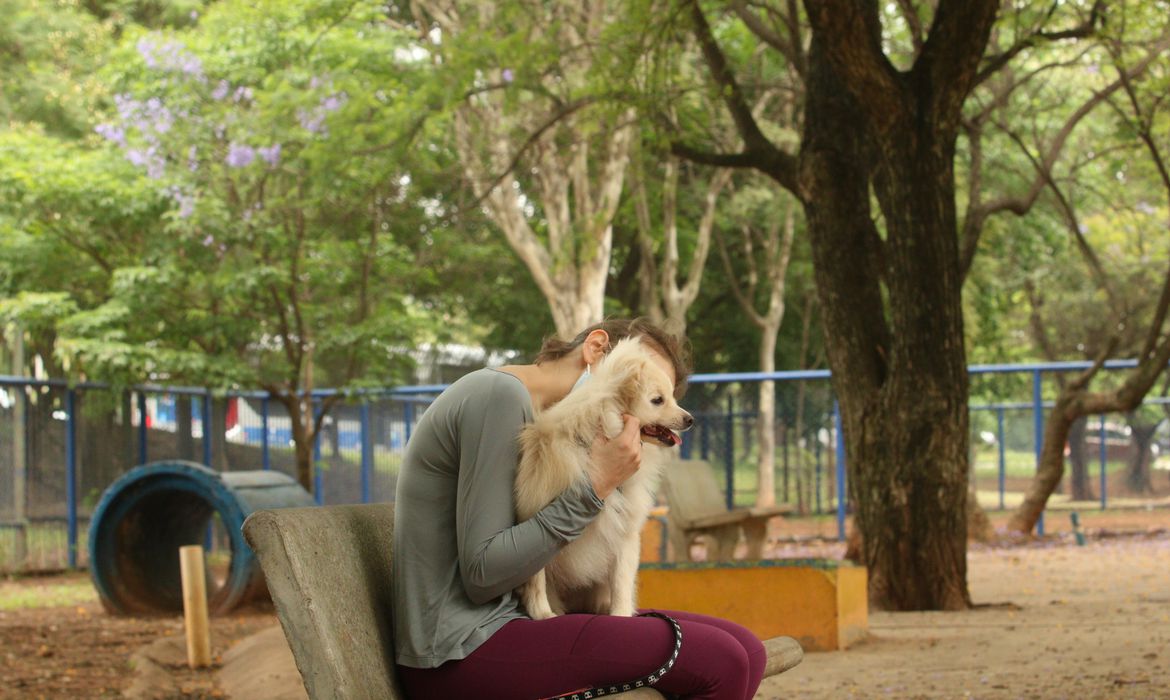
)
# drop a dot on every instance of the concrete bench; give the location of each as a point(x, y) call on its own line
point(328, 570)
point(697, 510)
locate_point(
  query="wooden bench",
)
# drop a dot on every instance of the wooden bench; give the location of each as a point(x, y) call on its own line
point(328, 570)
point(696, 509)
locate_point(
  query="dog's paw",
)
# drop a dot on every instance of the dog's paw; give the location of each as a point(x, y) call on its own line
point(623, 611)
point(541, 614)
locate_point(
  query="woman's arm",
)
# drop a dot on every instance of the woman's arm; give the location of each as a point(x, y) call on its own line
point(496, 554)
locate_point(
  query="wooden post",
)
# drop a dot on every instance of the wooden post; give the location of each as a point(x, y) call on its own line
point(195, 606)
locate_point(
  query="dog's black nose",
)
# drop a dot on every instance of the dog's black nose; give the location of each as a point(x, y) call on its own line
point(688, 421)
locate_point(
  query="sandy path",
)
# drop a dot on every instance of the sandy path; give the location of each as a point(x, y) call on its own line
point(1091, 622)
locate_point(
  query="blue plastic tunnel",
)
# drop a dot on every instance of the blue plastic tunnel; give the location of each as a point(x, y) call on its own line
point(150, 511)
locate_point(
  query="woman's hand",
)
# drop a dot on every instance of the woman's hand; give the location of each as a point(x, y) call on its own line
point(617, 459)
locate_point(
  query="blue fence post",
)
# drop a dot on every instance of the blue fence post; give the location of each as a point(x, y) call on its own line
point(265, 457)
point(999, 438)
point(318, 479)
point(729, 451)
point(142, 427)
point(71, 474)
point(841, 486)
point(367, 452)
point(1038, 427)
point(205, 416)
point(408, 420)
point(817, 453)
point(1104, 458)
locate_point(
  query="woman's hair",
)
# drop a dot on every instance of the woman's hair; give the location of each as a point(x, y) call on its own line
point(673, 348)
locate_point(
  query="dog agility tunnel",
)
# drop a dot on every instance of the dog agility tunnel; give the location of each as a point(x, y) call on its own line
point(150, 511)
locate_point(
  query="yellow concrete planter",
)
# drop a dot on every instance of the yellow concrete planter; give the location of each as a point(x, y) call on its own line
point(822, 603)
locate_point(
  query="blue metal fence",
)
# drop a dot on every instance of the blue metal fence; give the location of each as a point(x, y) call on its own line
point(357, 451)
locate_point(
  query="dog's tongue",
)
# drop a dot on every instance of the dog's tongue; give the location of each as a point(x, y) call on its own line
point(666, 436)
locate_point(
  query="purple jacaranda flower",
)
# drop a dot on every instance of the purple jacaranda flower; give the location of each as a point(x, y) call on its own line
point(1145, 207)
point(270, 155)
point(112, 132)
point(221, 90)
point(242, 94)
point(170, 56)
point(209, 240)
point(127, 106)
point(136, 157)
point(508, 75)
point(332, 103)
point(192, 159)
point(313, 122)
point(1092, 69)
point(146, 49)
point(240, 155)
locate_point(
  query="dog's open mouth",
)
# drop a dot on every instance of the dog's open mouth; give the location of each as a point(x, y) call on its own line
point(662, 434)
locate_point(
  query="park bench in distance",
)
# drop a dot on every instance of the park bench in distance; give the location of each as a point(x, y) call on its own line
point(696, 508)
point(328, 570)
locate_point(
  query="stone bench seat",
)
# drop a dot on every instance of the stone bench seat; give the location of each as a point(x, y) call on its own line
point(328, 571)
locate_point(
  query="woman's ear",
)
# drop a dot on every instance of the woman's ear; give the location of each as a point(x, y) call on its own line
point(595, 347)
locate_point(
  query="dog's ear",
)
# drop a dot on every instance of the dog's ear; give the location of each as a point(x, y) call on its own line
point(633, 378)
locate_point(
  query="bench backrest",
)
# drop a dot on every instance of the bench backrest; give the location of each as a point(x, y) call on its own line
point(328, 570)
point(691, 490)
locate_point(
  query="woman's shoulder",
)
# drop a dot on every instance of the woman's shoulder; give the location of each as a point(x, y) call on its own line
point(489, 383)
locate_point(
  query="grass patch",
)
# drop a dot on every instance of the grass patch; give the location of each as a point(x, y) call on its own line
point(21, 593)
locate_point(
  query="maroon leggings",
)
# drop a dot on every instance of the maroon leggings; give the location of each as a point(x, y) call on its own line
point(529, 659)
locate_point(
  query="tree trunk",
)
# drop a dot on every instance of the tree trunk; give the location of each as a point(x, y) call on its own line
point(766, 430)
point(217, 433)
point(1137, 476)
point(185, 443)
point(1078, 459)
point(303, 436)
point(903, 395)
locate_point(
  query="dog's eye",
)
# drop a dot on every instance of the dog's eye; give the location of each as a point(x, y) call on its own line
point(657, 400)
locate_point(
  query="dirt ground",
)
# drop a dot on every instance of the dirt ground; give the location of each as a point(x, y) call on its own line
point(1059, 621)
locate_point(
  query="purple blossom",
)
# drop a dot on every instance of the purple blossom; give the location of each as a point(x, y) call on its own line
point(270, 155)
point(311, 121)
point(221, 90)
point(242, 94)
point(240, 155)
point(332, 103)
point(508, 75)
point(171, 57)
point(186, 205)
point(209, 240)
point(112, 132)
point(136, 157)
point(192, 159)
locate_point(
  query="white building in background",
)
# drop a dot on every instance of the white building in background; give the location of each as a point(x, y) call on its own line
point(445, 362)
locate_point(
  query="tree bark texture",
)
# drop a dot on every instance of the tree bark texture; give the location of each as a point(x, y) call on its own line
point(1078, 458)
point(898, 359)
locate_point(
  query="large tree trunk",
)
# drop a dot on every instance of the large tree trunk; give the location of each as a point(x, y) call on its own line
point(903, 397)
point(1137, 475)
point(1078, 459)
point(766, 428)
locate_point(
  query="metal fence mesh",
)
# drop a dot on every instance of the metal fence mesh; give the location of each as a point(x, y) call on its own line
point(1112, 460)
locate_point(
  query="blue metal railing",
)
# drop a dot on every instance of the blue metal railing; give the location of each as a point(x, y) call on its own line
point(411, 396)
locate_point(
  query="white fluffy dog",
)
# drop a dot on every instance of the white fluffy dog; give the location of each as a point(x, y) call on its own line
point(596, 573)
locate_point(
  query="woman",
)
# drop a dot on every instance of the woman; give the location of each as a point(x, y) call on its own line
point(459, 552)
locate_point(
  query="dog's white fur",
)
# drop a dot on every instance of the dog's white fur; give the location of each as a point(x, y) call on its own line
point(596, 573)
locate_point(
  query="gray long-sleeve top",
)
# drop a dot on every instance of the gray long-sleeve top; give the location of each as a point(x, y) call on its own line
point(458, 550)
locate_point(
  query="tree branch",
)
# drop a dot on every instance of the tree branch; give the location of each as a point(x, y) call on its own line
point(946, 68)
point(850, 31)
point(1085, 29)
